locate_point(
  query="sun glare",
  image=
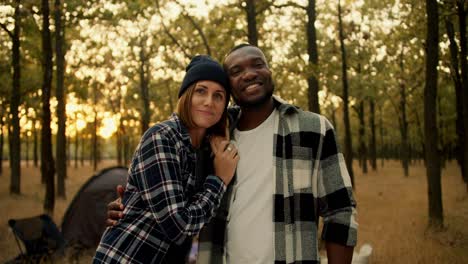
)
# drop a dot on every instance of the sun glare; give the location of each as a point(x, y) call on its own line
point(108, 127)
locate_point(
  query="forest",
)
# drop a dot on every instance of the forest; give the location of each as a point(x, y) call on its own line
point(80, 81)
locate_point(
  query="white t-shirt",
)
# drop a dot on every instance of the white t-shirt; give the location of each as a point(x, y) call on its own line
point(250, 230)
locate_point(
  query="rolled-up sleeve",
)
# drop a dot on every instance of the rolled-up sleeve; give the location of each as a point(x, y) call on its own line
point(336, 203)
point(157, 173)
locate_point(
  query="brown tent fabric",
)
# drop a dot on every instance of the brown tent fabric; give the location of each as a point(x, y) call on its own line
point(84, 220)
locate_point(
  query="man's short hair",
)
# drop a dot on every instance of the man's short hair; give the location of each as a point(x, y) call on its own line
point(239, 46)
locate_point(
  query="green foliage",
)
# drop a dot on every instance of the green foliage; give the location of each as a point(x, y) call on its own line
point(384, 40)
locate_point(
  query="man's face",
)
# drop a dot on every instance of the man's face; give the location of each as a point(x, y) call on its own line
point(249, 76)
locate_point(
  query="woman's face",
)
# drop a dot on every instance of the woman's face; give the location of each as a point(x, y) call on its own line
point(208, 103)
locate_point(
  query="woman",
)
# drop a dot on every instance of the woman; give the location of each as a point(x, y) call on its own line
point(164, 208)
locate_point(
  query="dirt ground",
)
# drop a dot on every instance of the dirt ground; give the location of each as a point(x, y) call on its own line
point(392, 212)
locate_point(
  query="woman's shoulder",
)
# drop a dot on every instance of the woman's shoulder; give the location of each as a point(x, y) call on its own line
point(168, 129)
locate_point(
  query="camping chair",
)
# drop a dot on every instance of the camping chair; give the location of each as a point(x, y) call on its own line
point(40, 237)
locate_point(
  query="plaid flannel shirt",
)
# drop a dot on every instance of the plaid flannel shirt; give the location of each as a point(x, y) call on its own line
point(163, 207)
point(311, 180)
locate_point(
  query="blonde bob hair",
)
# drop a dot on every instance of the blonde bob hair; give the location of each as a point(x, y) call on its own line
point(183, 111)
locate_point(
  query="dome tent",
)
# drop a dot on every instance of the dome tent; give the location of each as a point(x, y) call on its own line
point(84, 220)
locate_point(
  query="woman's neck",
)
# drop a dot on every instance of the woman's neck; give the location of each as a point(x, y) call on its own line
point(196, 136)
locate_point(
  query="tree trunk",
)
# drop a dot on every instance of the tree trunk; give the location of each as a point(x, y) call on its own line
point(144, 71)
point(95, 149)
point(455, 72)
point(36, 146)
point(461, 12)
point(404, 150)
point(421, 135)
point(47, 160)
point(441, 134)
point(362, 138)
point(120, 143)
point(76, 147)
point(61, 153)
point(118, 147)
point(26, 149)
point(312, 80)
point(430, 118)
point(69, 151)
point(2, 124)
point(127, 153)
point(251, 22)
point(95, 142)
point(381, 132)
point(372, 142)
point(15, 144)
point(348, 149)
point(82, 156)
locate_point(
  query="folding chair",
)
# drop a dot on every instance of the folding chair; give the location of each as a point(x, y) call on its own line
point(39, 236)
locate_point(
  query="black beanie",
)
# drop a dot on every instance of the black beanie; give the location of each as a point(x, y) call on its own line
point(203, 67)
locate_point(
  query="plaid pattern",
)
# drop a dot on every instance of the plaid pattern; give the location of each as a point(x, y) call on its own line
point(162, 206)
point(311, 180)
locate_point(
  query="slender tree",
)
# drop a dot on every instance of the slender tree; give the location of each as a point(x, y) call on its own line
point(14, 131)
point(83, 142)
point(61, 154)
point(120, 143)
point(251, 16)
point(348, 148)
point(77, 136)
point(458, 83)
point(430, 118)
point(461, 13)
point(312, 51)
point(26, 149)
point(381, 136)
point(144, 80)
point(2, 124)
point(372, 140)
point(35, 144)
point(404, 148)
point(95, 149)
point(362, 137)
point(47, 159)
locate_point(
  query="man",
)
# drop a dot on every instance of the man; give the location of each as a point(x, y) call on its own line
point(289, 173)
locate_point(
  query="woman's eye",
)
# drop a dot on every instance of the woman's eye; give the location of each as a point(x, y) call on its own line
point(200, 91)
point(218, 96)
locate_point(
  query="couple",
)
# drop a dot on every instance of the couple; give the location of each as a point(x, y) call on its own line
point(288, 172)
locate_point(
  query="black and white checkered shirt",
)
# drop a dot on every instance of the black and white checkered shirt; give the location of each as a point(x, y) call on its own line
point(162, 206)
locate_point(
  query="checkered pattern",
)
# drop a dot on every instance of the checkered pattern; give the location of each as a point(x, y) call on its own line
point(311, 180)
point(162, 206)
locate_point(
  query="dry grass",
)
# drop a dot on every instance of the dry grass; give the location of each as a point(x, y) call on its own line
point(30, 202)
point(393, 216)
point(392, 213)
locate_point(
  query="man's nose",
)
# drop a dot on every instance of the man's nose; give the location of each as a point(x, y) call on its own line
point(249, 74)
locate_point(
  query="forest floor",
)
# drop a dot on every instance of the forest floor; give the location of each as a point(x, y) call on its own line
point(392, 212)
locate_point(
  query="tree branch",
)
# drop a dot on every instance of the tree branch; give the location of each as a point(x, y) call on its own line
point(6, 29)
point(261, 10)
point(198, 28)
point(166, 30)
point(290, 4)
